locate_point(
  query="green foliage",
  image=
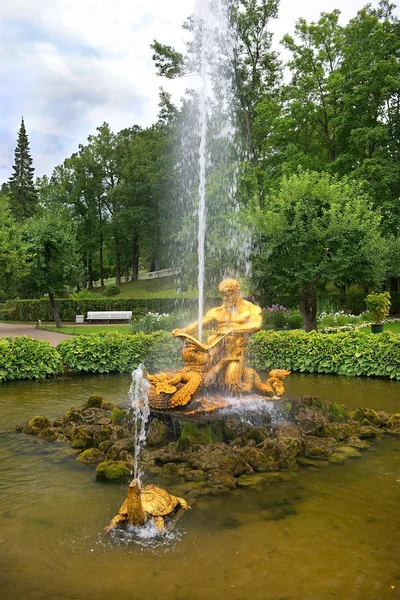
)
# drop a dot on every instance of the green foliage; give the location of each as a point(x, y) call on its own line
point(116, 352)
point(23, 195)
point(156, 321)
point(346, 354)
point(280, 318)
point(83, 294)
point(13, 251)
point(3, 296)
point(112, 290)
point(24, 358)
point(378, 305)
point(32, 310)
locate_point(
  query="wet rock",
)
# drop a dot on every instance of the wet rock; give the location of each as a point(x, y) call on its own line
point(107, 405)
point(163, 458)
point(337, 458)
point(355, 442)
point(254, 480)
point(194, 475)
point(113, 471)
point(170, 470)
point(368, 432)
point(366, 416)
point(106, 445)
point(92, 456)
point(94, 401)
point(49, 433)
point(62, 439)
point(36, 424)
point(74, 415)
point(309, 462)
point(241, 433)
point(221, 479)
point(316, 447)
point(342, 431)
point(102, 434)
point(311, 422)
point(348, 451)
point(156, 433)
point(82, 437)
point(118, 416)
point(258, 460)
point(183, 444)
point(104, 421)
point(198, 433)
point(119, 450)
point(393, 423)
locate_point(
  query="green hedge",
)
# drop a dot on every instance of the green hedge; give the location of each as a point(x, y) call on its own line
point(109, 352)
point(350, 353)
point(33, 310)
point(24, 358)
point(354, 303)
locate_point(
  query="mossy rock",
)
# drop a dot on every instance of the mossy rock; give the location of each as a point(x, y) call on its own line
point(74, 415)
point(198, 433)
point(92, 456)
point(113, 471)
point(337, 413)
point(221, 479)
point(107, 405)
point(118, 416)
point(337, 458)
point(49, 433)
point(253, 480)
point(102, 434)
point(106, 445)
point(170, 470)
point(37, 424)
point(342, 431)
point(258, 460)
point(194, 475)
point(348, 451)
point(367, 432)
point(94, 401)
point(355, 442)
point(319, 448)
point(81, 438)
point(156, 433)
point(183, 444)
point(366, 416)
point(393, 423)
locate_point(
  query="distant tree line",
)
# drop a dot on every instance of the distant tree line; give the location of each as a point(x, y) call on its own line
point(319, 180)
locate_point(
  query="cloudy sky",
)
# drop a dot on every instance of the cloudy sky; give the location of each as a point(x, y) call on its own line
point(69, 65)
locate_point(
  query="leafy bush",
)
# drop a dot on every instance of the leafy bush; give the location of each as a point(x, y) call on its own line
point(32, 310)
point(24, 358)
point(116, 352)
point(84, 293)
point(280, 318)
point(351, 353)
point(156, 322)
point(341, 318)
point(3, 296)
point(378, 305)
point(112, 289)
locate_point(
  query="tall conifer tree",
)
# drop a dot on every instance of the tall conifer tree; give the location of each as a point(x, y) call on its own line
point(23, 195)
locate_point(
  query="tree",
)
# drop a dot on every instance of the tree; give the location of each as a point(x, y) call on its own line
point(53, 261)
point(23, 195)
point(317, 230)
point(12, 250)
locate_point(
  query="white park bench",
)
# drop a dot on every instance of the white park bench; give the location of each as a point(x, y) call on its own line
point(113, 315)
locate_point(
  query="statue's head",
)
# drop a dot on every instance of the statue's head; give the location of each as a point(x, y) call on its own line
point(230, 292)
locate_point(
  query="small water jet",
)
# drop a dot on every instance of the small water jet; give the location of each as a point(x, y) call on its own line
point(140, 413)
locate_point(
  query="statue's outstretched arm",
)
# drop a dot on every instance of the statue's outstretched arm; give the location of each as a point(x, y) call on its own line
point(193, 327)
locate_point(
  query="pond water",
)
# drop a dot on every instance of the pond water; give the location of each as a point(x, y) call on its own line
point(325, 533)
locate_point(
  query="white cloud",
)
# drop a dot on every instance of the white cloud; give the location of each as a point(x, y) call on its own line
point(69, 65)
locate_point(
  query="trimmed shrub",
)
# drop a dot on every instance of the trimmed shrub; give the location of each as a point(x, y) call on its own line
point(117, 352)
point(32, 310)
point(3, 296)
point(280, 318)
point(350, 353)
point(24, 358)
point(112, 289)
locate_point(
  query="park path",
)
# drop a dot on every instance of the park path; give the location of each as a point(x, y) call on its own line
point(17, 330)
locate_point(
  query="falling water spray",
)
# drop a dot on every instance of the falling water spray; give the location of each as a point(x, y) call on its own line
point(140, 412)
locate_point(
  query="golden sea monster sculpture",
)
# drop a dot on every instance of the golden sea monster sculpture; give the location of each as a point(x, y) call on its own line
point(142, 504)
point(220, 362)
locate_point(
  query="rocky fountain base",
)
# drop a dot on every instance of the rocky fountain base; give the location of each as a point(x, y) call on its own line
point(213, 452)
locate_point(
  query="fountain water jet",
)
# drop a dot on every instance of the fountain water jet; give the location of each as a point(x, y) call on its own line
point(140, 412)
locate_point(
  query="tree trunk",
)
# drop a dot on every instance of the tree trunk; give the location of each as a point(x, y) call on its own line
point(126, 274)
point(54, 309)
point(308, 308)
point(90, 270)
point(135, 259)
point(153, 265)
point(101, 263)
point(117, 261)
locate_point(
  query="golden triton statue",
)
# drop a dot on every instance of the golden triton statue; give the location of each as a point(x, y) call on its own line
point(221, 361)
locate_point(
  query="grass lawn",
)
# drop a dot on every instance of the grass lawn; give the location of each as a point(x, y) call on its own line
point(87, 329)
point(394, 327)
point(159, 287)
